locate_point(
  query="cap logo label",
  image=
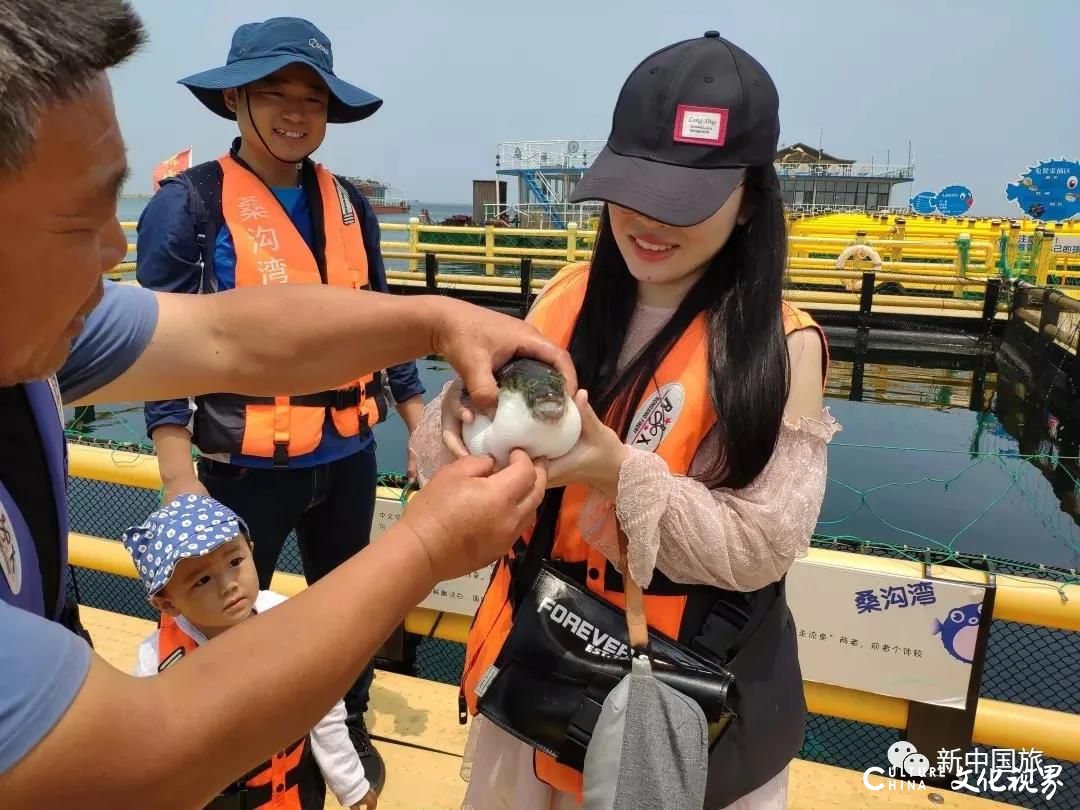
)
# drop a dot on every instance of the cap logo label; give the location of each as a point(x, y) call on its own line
point(314, 43)
point(702, 125)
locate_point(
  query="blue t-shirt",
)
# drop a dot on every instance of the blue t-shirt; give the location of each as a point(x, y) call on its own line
point(333, 446)
point(42, 664)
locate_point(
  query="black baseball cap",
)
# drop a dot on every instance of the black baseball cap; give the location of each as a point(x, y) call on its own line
point(688, 122)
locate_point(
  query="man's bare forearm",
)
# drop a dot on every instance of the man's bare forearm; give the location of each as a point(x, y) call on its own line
point(328, 334)
point(266, 341)
point(175, 739)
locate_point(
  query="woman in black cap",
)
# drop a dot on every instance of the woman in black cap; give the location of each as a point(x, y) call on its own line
point(711, 450)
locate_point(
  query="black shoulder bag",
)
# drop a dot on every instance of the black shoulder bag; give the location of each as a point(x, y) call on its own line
point(568, 649)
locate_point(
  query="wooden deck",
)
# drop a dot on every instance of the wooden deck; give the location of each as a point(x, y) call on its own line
point(414, 723)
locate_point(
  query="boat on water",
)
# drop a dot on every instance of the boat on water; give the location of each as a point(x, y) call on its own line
point(381, 196)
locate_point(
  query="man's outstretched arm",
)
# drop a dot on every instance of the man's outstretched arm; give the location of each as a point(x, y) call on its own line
point(174, 740)
point(288, 339)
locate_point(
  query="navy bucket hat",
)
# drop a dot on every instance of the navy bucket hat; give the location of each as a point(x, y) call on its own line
point(189, 526)
point(258, 49)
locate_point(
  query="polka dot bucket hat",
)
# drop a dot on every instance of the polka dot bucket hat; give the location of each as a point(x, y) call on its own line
point(190, 526)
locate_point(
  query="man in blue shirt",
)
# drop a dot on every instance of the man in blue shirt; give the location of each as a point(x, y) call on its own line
point(279, 87)
point(73, 730)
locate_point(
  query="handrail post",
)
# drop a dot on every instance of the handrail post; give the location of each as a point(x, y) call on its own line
point(1012, 248)
point(489, 249)
point(431, 269)
point(990, 302)
point(414, 241)
point(934, 728)
point(866, 299)
point(526, 284)
point(866, 303)
point(963, 253)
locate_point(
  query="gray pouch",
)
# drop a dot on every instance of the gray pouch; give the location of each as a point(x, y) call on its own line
point(650, 746)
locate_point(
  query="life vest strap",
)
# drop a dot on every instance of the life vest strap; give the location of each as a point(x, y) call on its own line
point(241, 795)
point(229, 801)
point(337, 398)
point(282, 424)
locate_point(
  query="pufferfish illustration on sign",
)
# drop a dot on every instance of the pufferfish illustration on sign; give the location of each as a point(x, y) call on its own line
point(923, 202)
point(1049, 191)
point(960, 631)
point(954, 200)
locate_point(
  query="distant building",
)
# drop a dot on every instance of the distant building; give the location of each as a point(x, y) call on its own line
point(814, 179)
point(543, 173)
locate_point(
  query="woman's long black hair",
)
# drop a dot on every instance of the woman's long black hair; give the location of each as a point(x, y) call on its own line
point(748, 361)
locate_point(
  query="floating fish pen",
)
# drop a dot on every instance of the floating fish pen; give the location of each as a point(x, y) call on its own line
point(961, 325)
point(1039, 348)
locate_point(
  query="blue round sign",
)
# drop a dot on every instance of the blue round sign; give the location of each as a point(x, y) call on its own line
point(952, 201)
point(923, 202)
point(1048, 192)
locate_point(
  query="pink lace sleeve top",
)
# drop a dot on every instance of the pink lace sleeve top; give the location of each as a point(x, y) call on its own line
point(737, 539)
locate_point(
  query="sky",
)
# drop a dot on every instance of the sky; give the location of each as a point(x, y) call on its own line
point(980, 90)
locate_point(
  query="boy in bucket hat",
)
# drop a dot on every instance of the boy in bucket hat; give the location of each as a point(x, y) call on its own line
point(264, 214)
point(193, 557)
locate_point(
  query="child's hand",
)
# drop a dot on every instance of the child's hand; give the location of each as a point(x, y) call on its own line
point(368, 802)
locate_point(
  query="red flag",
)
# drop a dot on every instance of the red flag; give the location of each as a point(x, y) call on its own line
point(172, 165)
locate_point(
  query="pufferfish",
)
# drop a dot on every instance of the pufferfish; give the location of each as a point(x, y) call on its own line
point(534, 413)
point(960, 631)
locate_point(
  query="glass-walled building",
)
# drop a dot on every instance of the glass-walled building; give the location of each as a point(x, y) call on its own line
point(812, 179)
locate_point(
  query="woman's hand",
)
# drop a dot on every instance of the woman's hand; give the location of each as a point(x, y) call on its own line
point(454, 415)
point(596, 458)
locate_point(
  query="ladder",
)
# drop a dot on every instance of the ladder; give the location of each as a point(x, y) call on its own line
point(542, 192)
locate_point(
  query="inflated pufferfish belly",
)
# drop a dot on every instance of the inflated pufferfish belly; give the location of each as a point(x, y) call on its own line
point(533, 413)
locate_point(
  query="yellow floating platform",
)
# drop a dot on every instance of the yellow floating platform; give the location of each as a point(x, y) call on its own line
point(414, 723)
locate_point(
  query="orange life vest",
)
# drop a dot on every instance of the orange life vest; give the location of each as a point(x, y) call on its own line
point(672, 420)
point(290, 780)
point(270, 250)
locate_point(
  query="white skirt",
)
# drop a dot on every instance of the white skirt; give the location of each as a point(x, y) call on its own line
point(499, 770)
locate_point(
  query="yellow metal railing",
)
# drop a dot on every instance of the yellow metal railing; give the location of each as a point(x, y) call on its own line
point(997, 723)
point(948, 256)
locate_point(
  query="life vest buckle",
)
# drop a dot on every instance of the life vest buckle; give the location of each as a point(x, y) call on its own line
point(236, 796)
point(346, 398)
point(281, 455)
